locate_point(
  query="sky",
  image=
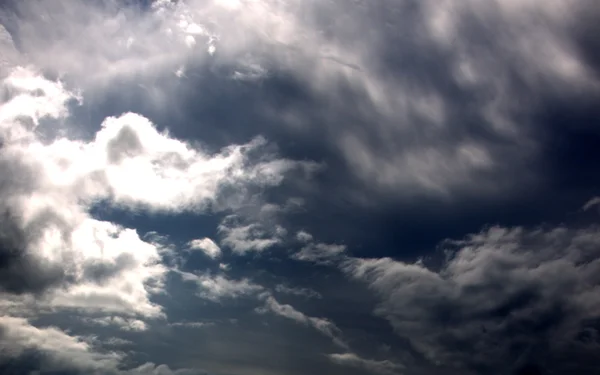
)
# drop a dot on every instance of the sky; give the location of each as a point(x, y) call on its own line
point(290, 187)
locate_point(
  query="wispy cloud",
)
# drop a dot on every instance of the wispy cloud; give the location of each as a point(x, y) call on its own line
point(216, 287)
point(385, 367)
point(322, 325)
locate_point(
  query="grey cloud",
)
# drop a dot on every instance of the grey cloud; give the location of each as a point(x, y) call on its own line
point(116, 341)
point(124, 324)
point(443, 104)
point(49, 350)
point(384, 367)
point(54, 241)
point(591, 203)
point(125, 144)
point(99, 272)
point(217, 287)
point(304, 292)
point(322, 325)
point(466, 92)
point(405, 98)
point(241, 237)
point(22, 272)
point(192, 324)
point(504, 298)
point(10, 55)
point(153, 369)
point(56, 350)
point(320, 253)
point(304, 236)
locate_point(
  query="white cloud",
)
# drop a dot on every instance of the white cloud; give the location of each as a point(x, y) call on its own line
point(124, 324)
point(59, 351)
point(218, 287)
point(384, 367)
point(190, 41)
point(33, 97)
point(242, 238)
point(322, 325)
point(88, 263)
point(44, 208)
point(147, 168)
point(10, 55)
point(320, 253)
point(207, 246)
point(224, 267)
point(304, 236)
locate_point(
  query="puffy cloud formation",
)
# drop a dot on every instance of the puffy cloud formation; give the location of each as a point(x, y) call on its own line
point(241, 237)
point(50, 244)
point(206, 245)
point(504, 296)
point(48, 241)
point(48, 237)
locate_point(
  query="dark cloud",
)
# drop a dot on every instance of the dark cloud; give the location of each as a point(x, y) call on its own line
point(504, 299)
point(22, 271)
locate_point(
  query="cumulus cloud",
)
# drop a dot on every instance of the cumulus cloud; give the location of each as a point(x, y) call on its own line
point(376, 367)
point(241, 237)
point(48, 240)
point(504, 297)
point(48, 237)
point(324, 326)
point(147, 168)
point(51, 245)
point(206, 245)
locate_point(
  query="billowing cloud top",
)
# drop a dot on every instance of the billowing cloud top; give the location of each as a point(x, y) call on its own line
point(242, 187)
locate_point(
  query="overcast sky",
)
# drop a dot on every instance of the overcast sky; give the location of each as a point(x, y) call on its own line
point(290, 187)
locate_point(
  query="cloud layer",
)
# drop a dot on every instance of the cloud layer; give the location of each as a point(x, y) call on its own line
point(244, 187)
